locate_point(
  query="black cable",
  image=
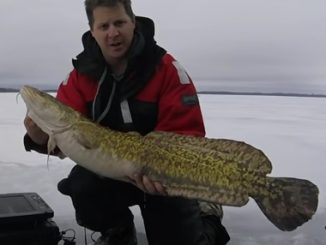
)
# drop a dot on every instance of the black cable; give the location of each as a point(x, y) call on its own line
point(67, 242)
point(85, 237)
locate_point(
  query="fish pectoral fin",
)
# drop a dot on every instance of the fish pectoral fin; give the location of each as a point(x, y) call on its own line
point(84, 142)
point(51, 144)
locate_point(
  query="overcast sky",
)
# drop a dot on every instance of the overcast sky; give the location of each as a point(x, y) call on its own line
point(248, 45)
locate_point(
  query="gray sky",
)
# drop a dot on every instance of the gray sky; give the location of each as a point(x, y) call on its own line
point(238, 45)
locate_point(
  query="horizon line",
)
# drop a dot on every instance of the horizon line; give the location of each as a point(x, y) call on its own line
point(286, 94)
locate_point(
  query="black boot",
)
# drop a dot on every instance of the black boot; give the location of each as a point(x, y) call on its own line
point(122, 235)
point(212, 215)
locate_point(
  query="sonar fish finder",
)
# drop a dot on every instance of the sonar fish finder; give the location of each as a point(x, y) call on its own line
point(19, 208)
point(25, 218)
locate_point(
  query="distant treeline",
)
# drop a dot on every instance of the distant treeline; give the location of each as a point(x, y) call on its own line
point(11, 90)
point(263, 94)
point(4, 90)
point(14, 90)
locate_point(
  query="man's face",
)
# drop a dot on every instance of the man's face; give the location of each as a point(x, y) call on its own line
point(113, 30)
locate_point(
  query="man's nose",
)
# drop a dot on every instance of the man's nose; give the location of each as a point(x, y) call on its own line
point(112, 31)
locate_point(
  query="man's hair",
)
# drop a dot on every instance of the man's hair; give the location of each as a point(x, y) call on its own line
point(90, 5)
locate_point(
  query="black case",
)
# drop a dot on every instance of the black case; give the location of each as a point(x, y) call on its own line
point(42, 233)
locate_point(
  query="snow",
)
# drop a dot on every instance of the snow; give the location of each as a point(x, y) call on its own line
point(290, 130)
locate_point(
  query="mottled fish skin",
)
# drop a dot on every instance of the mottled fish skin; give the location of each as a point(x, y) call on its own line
point(222, 171)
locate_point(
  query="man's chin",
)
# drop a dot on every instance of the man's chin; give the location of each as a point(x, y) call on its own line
point(114, 58)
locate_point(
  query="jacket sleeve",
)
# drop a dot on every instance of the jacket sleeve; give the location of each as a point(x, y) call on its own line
point(29, 145)
point(179, 108)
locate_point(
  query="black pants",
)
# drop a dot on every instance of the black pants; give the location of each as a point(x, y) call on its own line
point(103, 203)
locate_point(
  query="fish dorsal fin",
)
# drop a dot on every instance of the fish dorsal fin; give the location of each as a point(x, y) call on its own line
point(239, 153)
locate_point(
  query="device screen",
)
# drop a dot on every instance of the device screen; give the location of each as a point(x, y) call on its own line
point(14, 204)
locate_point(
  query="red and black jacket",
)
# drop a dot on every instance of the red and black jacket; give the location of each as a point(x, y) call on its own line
point(155, 92)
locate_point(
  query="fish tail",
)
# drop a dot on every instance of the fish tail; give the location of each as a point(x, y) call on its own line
point(289, 203)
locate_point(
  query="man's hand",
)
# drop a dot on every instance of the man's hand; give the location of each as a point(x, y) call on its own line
point(36, 134)
point(147, 185)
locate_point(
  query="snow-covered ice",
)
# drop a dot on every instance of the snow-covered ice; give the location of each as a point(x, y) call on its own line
point(290, 130)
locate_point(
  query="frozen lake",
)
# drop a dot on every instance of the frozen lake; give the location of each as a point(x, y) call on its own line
point(290, 130)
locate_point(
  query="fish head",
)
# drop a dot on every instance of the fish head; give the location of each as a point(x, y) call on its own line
point(46, 111)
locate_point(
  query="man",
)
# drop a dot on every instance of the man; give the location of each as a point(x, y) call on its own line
point(125, 81)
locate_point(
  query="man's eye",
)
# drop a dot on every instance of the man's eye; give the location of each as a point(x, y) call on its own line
point(119, 23)
point(104, 26)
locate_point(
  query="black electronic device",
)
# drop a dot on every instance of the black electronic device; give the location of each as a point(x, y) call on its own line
point(22, 208)
point(25, 219)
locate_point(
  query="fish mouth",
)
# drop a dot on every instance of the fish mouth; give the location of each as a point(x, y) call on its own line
point(43, 114)
point(33, 99)
point(23, 92)
point(28, 94)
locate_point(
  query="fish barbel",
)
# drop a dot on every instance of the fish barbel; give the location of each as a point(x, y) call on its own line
point(222, 171)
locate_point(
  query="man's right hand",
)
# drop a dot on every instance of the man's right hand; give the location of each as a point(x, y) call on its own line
point(147, 185)
point(34, 131)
